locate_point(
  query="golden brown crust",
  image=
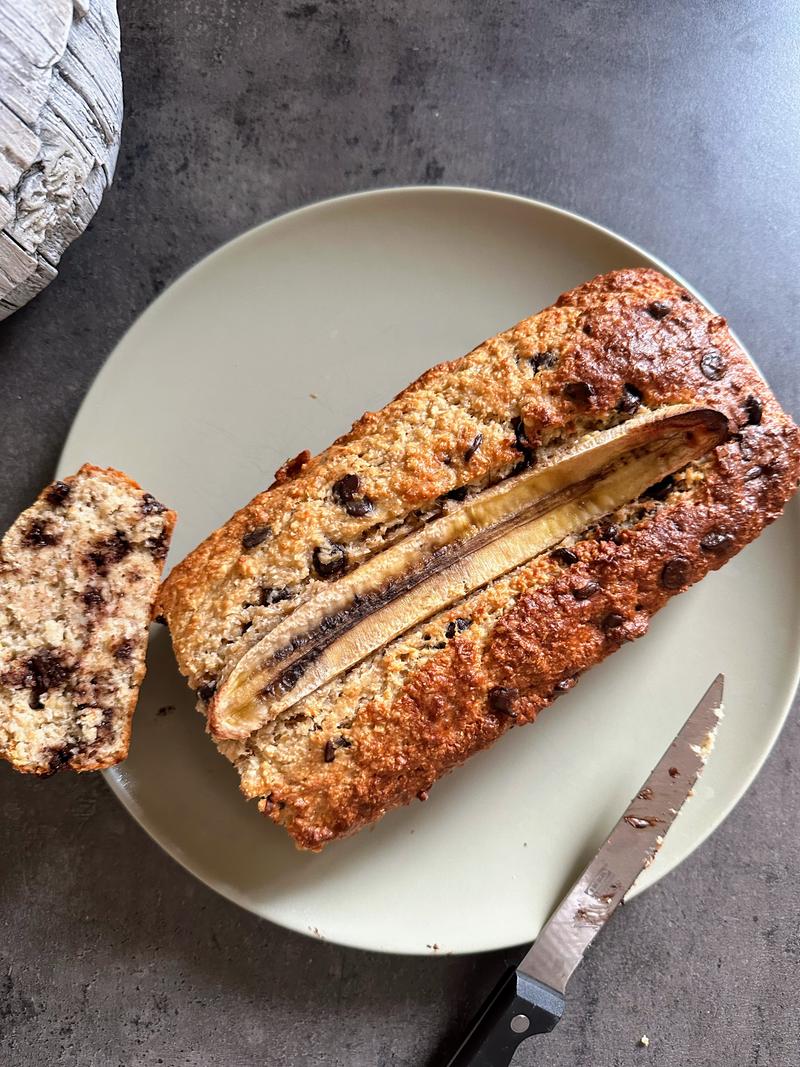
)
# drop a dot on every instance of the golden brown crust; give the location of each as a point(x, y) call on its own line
point(629, 333)
point(540, 647)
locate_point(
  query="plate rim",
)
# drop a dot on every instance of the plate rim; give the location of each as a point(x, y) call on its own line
point(112, 776)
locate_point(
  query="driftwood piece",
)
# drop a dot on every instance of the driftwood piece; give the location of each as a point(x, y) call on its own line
point(60, 120)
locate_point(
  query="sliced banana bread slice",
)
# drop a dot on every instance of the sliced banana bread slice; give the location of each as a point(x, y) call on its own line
point(79, 573)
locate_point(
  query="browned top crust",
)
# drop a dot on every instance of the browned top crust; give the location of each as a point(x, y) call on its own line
point(629, 339)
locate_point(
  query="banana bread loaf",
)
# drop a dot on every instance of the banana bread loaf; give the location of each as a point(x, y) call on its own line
point(79, 572)
point(458, 559)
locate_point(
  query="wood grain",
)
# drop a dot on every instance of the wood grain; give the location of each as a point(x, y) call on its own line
point(60, 121)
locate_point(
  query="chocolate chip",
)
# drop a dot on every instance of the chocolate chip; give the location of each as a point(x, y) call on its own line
point(57, 493)
point(612, 621)
point(440, 644)
point(346, 488)
point(588, 329)
point(158, 546)
point(717, 542)
point(206, 691)
point(422, 794)
point(659, 309)
point(676, 573)
point(521, 441)
point(579, 392)
point(457, 626)
point(111, 550)
point(686, 296)
point(753, 410)
point(118, 546)
point(151, 506)
point(92, 597)
point(630, 401)
point(256, 536)
point(38, 536)
point(564, 555)
point(477, 441)
point(344, 493)
point(674, 772)
point(60, 758)
point(501, 699)
point(754, 472)
point(124, 650)
point(609, 532)
point(544, 360)
point(329, 560)
point(458, 494)
point(713, 365)
point(584, 592)
point(357, 509)
point(270, 595)
point(329, 751)
point(44, 671)
point(660, 490)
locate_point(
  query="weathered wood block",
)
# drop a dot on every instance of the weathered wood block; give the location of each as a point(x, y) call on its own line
point(60, 121)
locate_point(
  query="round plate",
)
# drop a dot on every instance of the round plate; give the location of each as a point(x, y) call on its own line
point(276, 343)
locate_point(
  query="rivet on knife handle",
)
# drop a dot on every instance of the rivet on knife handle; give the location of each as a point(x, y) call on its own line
point(518, 1008)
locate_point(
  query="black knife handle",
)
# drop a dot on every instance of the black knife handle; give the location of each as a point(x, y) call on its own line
point(518, 1008)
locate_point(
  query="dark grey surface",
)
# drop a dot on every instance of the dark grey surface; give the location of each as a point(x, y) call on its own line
point(676, 124)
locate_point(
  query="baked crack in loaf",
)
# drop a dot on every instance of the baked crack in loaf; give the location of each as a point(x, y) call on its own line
point(79, 573)
point(457, 560)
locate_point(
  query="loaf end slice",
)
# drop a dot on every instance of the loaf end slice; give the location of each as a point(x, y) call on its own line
point(79, 574)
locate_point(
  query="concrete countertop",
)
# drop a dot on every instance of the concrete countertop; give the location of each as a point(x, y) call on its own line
point(675, 124)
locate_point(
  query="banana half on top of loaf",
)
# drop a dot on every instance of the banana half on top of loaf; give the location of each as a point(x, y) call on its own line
point(458, 559)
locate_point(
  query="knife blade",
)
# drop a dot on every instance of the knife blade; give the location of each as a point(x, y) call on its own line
point(529, 999)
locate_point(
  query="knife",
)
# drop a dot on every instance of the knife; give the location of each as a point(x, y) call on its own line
point(530, 999)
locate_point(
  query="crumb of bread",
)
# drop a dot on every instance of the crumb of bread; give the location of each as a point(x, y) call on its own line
point(79, 573)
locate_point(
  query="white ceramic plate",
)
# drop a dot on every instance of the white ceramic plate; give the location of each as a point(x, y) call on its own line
point(276, 343)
